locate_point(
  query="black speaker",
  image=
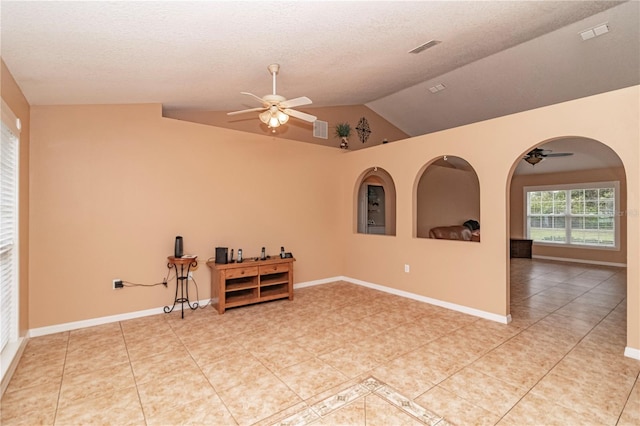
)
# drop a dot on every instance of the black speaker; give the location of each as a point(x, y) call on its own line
point(178, 252)
point(221, 254)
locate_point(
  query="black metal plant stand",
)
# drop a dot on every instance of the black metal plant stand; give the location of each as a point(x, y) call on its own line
point(182, 281)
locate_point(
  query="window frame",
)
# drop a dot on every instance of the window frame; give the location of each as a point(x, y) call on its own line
point(7, 353)
point(568, 216)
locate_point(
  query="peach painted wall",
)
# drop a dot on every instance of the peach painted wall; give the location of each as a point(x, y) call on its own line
point(301, 130)
point(446, 197)
point(476, 275)
point(15, 99)
point(113, 185)
point(583, 176)
point(107, 200)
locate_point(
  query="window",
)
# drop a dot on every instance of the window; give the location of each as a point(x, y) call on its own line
point(8, 227)
point(580, 214)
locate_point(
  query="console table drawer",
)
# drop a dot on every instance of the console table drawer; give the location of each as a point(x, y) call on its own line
point(274, 269)
point(249, 271)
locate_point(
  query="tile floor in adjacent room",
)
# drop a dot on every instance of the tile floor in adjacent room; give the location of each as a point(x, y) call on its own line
point(342, 354)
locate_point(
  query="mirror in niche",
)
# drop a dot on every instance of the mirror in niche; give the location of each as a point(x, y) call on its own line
point(376, 201)
point(375, 209)
point(448, 201)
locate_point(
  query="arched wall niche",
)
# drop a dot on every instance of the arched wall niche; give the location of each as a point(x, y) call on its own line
point(447, 193)
point(375, 202)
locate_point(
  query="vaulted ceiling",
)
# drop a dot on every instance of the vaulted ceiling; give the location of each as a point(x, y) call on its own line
point(494, 57)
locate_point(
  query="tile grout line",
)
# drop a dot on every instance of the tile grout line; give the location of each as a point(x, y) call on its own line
point(64, 364)
point(563, 357)
point(636, 383)
point(135, 381)
point(202, 372)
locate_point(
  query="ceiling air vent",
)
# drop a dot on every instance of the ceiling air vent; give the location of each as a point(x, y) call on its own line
point(425, 46)
point(594, 32)
point(320, 129)
point(437, 88)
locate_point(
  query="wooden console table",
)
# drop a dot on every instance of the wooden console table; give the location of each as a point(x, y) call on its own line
point(251, 281)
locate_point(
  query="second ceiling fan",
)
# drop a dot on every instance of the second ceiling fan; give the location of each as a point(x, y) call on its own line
point(536, 155)
point(276, 109)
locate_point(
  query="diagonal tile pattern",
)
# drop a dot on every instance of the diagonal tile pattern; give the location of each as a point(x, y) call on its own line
point(344, 354)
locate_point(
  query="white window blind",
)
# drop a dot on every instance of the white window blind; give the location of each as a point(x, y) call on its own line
point(8, 229)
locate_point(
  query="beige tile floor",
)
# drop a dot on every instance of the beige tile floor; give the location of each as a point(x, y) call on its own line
point(348, 355)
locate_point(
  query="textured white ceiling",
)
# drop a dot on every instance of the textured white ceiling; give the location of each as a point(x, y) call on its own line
point(496, 57)
point(201, 54)
point(555, 67)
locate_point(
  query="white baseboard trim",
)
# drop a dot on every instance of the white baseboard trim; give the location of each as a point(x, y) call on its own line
point(9, 359)
point(590, 262)
point(58, 328)
point(43, 331)
point(503, 319)
point(317, 282)
point(632, 353)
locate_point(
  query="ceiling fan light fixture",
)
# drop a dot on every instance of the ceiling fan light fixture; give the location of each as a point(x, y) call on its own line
point(277, 109)
point(265, 116)
point(282, 117)
point(274, 122)
point(533, 160)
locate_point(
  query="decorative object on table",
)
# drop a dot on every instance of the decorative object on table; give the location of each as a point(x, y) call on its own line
point(343, 131)
point(231, 259)
point(222, 254)
point(239, 255)
point(179, 247)
point(285, 255)
point(363, 130)
point(277, 109)
point(263, 254)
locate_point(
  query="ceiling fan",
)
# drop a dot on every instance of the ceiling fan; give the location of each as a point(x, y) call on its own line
point(277, 109)
point(536, 155)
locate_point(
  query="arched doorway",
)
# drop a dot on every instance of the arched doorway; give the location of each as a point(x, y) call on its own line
point(572, 208)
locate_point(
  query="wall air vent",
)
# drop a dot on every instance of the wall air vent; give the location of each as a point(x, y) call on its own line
point(425, 46)
point(321, 129)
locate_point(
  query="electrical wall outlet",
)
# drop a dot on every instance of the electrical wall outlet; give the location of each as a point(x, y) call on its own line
point(191, 275)
point(407, 268)
point(117, 283)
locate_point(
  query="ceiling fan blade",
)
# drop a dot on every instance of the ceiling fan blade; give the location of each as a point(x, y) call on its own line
point(246, 110)
point(559, 154)
point(301, 115)
point(296, 102)
point(258, 98)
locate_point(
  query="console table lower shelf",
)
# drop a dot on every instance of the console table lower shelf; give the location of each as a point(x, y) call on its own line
point(251, 281)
